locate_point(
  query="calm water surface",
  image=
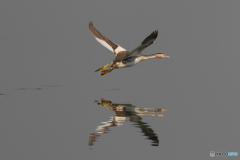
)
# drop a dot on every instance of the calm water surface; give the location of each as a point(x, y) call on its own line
point(54, 106)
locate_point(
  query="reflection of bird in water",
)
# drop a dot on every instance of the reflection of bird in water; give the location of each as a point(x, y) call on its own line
point(123, 57)
point(122, 111)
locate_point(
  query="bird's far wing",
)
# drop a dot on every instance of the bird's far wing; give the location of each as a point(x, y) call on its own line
point(145, 43)
point(115, 48)
point(146, 129)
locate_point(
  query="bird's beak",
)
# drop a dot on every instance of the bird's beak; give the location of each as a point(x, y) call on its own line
point(166, 56)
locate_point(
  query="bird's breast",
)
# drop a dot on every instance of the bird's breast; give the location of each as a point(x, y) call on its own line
point(128, 62)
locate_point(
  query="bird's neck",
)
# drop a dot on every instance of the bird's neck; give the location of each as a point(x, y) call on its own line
point(145, 57)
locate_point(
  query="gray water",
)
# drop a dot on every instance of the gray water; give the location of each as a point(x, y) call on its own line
point(54, 106)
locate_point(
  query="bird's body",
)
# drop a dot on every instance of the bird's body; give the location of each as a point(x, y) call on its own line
point(123, 57)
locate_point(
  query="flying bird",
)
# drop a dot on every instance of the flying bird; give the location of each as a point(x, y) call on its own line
point(124, 58)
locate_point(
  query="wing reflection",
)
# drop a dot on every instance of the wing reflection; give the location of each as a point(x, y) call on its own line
point(122, 111)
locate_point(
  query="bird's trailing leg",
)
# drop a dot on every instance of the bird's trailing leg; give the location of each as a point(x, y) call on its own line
point(107, 71)
point(105, 103)
point(102, 68)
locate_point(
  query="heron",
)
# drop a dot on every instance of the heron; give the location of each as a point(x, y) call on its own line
point(124, 58)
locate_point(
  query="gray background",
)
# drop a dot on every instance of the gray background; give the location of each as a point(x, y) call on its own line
point(48, 84)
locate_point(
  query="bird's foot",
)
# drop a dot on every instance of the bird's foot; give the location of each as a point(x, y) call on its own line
point(107, 71)
point(104, 72)
point(102, 68)
point(106, 101)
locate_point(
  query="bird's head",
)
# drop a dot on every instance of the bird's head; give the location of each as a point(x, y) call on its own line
point(161, 55)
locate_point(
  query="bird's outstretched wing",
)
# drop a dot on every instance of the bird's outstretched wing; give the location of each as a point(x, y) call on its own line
point(145, 43)
point(115, 48)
